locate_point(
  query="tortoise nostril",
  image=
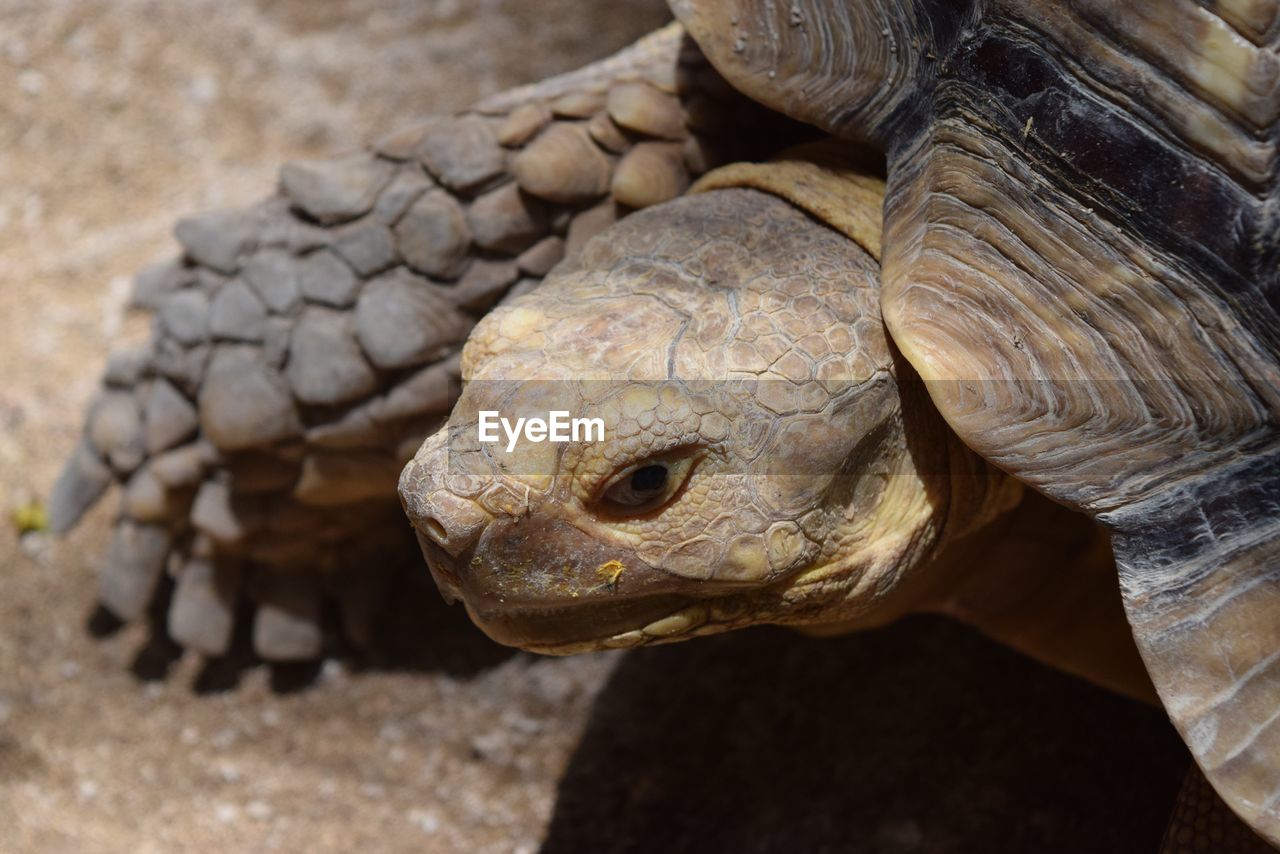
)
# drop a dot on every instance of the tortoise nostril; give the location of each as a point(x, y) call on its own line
point(453, 536)
point(436, 531)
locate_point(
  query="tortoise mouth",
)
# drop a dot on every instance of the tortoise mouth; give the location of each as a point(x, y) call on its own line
point(597, 599)
point(576, 627)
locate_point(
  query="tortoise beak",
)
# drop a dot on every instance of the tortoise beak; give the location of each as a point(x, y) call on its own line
point(538, 582)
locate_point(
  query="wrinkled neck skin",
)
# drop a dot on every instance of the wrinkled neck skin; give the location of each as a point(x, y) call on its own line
point(1021, 569)
point(909, 550)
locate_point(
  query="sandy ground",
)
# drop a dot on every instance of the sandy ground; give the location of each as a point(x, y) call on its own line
point(118, 116)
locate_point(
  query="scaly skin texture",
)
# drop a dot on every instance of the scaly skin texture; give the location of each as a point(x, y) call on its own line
point(809, 483)
point(682, 331)
point(302, 350)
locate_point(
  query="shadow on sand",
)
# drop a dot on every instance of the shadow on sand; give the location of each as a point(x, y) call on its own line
point(921, 737)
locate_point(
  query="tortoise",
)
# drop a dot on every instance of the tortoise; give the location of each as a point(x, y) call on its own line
point(769, 456)
point(1055, 268)
point(1059, 270)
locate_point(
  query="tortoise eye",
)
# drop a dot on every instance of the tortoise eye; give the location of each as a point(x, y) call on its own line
point(645, 486)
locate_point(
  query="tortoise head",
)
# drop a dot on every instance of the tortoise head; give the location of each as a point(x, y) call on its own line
point(737, 444)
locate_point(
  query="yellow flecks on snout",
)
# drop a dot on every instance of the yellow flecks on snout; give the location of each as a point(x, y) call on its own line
point(609, 572)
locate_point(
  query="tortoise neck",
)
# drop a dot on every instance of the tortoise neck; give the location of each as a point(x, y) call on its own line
point(1041, 579)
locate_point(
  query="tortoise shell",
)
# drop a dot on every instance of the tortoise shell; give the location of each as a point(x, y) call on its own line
point(1080, 248)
